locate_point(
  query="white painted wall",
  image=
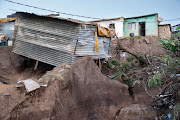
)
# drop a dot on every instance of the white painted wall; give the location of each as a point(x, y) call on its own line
point(118, 26)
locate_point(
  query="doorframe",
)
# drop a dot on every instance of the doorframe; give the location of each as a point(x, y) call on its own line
point(144, 26)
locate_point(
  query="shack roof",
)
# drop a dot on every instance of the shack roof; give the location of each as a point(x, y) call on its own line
point(47, 16)
point(175, 25)
point(109, 19)
point(166, 25)
point(142, 16)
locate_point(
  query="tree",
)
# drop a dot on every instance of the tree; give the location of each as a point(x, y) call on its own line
point(178, 28)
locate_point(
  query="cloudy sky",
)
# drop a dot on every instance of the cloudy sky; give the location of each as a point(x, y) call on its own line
point(167, 9)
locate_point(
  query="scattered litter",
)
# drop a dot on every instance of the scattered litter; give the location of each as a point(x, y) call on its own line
point(123, 55)
point(111, 76)
point(7, 94)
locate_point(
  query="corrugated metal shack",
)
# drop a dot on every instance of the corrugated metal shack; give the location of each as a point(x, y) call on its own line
point(57, 40)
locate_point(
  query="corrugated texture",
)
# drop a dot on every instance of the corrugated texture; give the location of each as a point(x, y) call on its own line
point(54, 41)
point(48, 16)
point(86, 43)
point(50, 41)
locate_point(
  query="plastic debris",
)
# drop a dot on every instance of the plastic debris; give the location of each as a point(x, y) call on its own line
point(123, 55)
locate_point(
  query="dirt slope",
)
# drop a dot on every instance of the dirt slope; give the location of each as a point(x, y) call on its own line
point(80, 92)
point(14, 67)
point(142, 46)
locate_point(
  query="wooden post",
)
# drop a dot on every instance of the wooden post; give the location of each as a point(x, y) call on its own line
point(36, 65)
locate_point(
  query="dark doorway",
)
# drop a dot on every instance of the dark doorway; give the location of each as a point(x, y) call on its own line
point(142, 28)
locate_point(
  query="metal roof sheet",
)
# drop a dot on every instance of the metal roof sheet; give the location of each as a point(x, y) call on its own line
point(46, 16)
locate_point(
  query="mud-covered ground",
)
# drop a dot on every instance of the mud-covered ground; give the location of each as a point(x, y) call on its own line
point(80, 91)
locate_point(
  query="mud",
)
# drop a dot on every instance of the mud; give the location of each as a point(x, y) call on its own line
point(139, 46)
point(77, 92)
point(14, 68)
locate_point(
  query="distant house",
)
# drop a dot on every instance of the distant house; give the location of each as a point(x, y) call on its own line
point(164, 31)
point(174, 28)
point(7, 28)
point(146, 25)
point(55, 40)
point(114, 24)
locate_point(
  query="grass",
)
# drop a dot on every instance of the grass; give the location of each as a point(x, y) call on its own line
point(115, 62)
point(130, 58)
point(49, 76)
point(124, 64)
point(134, 37)
point(118, 74)
point(129, 82)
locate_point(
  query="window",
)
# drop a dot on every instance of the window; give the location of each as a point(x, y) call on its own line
point(164, 29)
point(131, 26)
point(112, 26)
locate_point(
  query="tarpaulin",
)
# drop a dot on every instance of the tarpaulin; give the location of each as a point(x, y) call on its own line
point(102, 31)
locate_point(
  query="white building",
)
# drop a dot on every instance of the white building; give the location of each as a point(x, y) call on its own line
point(113, 23)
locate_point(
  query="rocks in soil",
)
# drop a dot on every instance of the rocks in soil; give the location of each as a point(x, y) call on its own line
point(136, 112)
point(79, 92)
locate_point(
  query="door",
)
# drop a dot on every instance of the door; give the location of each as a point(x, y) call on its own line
point(142, 28)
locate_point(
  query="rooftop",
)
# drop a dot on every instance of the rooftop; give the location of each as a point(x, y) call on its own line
point(142, 16)
point(47, 16)
point(107, 19)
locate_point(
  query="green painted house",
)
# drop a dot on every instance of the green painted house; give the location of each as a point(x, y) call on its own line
point(146, 25)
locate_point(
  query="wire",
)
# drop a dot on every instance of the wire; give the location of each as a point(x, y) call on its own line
point(78, 15)
point(50, 10)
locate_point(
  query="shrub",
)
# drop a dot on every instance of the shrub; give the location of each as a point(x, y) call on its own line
point(130, 58)
point(124, 65)
point(115, 62)
point(153, 81)
point(172, 45)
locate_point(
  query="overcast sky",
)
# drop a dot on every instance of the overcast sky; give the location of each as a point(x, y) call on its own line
point(167, 9)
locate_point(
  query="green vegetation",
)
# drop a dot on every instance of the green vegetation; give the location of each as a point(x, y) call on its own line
point(58, 77)
point(129, 82)
point(172, 65)
point(134, 37)
point(172, 45)
point(153, 81)
point(112, 63)
point(178, 28)
point(124, 65)
point(115, 62)
point(130, 58)
point(118, 74)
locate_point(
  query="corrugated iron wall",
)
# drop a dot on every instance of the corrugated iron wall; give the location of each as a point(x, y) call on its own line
point(86, 43)
point(46, 39)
